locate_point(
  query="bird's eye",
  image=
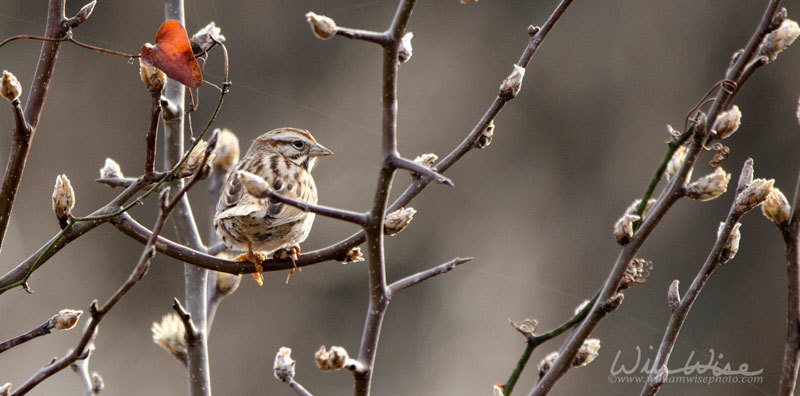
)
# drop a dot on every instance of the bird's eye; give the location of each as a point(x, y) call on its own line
point(298, 144)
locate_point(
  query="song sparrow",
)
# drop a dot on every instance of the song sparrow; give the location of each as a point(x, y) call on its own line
point(284, 157)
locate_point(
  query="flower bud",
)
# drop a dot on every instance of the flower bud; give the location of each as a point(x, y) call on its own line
point(612, 303)
point(5, 390)
point(754, 194)
point(709, 186)
point(511, 85)
point(195, 159)
point(283, 368)
point(623, 228)
point(587, 352)
point(97, 383)
point(65, 319)
point(170, 335)
point(111, 170)
point(674, 295)
point(581, 306)
point(776, 207)
point(497, 389)
point(547, 363)
point(485, 138)
point(353, 255)
point(334, 359)
point(675, 162)
point(426, 160)
point(637, 271)
point(635, 206)
point(63, 199)
point(398, 220)
point(727, 122)
point(323, 27)
point(779, 39)
point(405, 51)
point(255, 184)
point(527, 327)
point(226, 153)
point(731, 244)
point(152, 77)
point(203, 40)
point(85, 11)
point(10, 87)
point(226, 283)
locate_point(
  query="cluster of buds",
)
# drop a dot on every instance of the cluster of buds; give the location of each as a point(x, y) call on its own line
point(323, 27)
point(486, 135)
point(512, 84)
point(226, 153)
point(754, 194)
point(63, 199)
point(779, 39)
point(731, 244)
point(623, 228)
point(195, 160)
point(334, 359)
point(170, 335)
point(10, 87)
point(405, 51)
point(776, 207)
point(353, 255)
point(152, 77)
point(398, 220)
point(675, 162)
point(111, 170)
point(638, 270)
point(206, 37)
point(585, 355)
point(225, 283)
point(727, 122)
point(65, 319)
point(283, 368)
point(709, 186)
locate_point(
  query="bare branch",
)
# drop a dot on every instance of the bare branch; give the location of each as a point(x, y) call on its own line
point(57, 321)
point(364, 35)
point(91, 384)
point(152, 135)
point(791, 351)
point(414, 167)
point(427, 274)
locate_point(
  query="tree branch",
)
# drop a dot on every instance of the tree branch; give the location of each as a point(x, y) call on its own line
point(412, 280)
point(42, 329)
point(413, 167)
point(791, 351)
point(365, 35)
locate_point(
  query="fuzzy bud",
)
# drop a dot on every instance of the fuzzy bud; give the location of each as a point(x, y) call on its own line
point(612, 303)
point(170, 335)
point(497, 389)
point(283, 368)
point(323, 27)
point(779, 39)
point(353, 255)
point(485, 138)
point(97, 383)
point(195, 159)
point(426, 160)
point(111, 170)
point(547, 363)
point(755, 193)
point(5, 390)
point(637, 271)
point(709, 186)
point(84, 12)
point(776, 207)
point(226, 283)
point(226, 153)
point(152, 77)
point(674, 295)
point(731, 244)
point(405, 51)
point(623, 228)
point(587, 352)
point(10, 87)
point(727, 122)
point(581, 306)
point(635, 206)
point(63, 199)
point(255, 184)
point(675, 162)
point(527, 327)
point(203, 40)
point(334, 359)
point(398, 220)
point(511, 85)
point(65, 319)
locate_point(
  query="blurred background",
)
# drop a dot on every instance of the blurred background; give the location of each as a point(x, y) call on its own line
point(535, 209)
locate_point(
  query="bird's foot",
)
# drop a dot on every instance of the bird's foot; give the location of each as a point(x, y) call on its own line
point(288, 253)
point(256, 258)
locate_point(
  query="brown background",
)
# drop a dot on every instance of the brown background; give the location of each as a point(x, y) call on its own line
point(535, 209)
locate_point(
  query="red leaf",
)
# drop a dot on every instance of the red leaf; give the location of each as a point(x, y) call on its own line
point(173, 54)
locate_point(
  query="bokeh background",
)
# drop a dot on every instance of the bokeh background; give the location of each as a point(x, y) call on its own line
point(535, 209)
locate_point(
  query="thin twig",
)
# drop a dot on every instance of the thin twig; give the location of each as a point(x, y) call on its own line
point(327, 211)
point(70, 39)
point(412, 280)
point(791, 351)
point(152, 136)
point(381, 39)
point(42, 329)
point(671, 194)
point(90, 384)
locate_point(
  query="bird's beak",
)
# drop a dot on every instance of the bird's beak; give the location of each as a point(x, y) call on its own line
point(319, 151)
